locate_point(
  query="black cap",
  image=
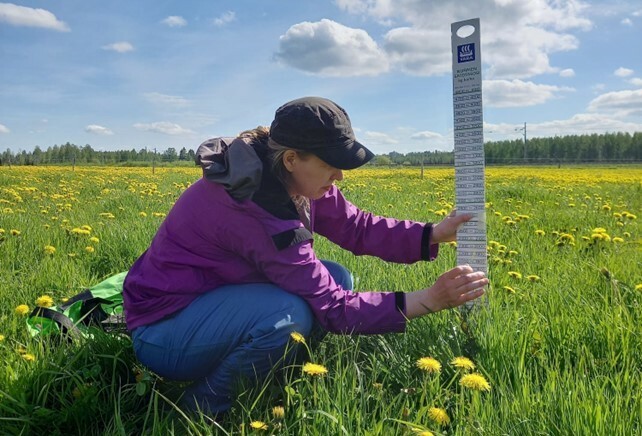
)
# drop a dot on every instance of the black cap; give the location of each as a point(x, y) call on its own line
point(321, 127)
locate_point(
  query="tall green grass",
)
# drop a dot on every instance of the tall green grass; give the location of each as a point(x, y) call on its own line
point(562, 350)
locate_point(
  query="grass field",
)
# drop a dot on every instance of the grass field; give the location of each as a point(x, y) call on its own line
point(559, 344)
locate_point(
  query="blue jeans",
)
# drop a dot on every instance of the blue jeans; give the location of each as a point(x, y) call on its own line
point(231, 332)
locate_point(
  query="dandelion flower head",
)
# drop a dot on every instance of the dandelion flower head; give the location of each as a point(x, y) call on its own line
point(22, 309)
point(314, 369)
point(429, 364)
point(475, 381)
point(258, 425)
point(463, 363)
point(438, 415)
point(297, 337)
point(44, 301)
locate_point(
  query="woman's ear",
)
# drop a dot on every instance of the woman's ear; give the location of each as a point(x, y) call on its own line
point(289, 160)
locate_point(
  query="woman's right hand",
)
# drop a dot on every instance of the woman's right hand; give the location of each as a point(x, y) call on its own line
point(453, 288)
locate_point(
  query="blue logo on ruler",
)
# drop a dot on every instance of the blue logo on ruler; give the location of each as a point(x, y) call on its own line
point(465, 53)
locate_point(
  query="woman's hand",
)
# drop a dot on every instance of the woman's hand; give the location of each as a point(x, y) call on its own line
point(446, 230)
point(453, 288)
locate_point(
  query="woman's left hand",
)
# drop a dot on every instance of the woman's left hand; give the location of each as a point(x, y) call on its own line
point(446, 230)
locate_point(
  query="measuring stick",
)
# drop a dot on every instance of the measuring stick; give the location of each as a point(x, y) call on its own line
point(470, 195)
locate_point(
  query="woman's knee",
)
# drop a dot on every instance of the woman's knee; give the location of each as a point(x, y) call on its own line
point(341, 275)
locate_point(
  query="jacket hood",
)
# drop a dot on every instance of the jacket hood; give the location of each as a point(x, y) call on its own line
point(241, 166)
point(232, 163)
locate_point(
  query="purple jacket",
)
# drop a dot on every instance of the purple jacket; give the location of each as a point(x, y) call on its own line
point(210, 239)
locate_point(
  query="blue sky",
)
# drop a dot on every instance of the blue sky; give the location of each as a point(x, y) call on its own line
point(131, 74)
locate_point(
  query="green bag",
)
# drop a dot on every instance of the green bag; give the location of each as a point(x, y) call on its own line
point(100, 306)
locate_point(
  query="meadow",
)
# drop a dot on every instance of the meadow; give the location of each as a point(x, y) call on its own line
point(557, 349)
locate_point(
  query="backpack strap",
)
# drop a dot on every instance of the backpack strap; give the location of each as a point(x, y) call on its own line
point(67, 326)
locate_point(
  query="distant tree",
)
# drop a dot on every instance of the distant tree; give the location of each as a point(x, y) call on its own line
point(182, 155)
point(170, 155)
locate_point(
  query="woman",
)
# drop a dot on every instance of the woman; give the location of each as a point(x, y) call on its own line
point(232, 272)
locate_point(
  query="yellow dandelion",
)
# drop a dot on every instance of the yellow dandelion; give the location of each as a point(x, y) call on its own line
point(297, 337)
point(22, 310)
point(439, 415)
point(617, 240)
point(314, 369)
point(258, 425)
point(638, 287)
point(463, 363)
point(509, 289)
point(89, 249)
point(422, 432)
point(49, 249)
point(475, 381)
point(533, 278)
point(429, 364)
point(539, 232)
point(15, 232)
point(606, 208)
point(142, 214)
point(626, 234)
point(629, 215)
point(515, 274)
point(599, 230)
point(278, 412)
point(2, 337)
point(94, 239)
point(28, 357)
point(44, 301)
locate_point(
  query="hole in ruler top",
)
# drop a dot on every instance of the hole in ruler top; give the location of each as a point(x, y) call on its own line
point(465, 31)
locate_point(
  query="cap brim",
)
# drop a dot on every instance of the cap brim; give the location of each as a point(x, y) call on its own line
point(345, 157)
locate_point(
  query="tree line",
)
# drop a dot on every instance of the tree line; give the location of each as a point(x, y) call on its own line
point(608, 147)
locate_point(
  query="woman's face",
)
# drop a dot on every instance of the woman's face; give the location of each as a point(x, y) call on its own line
point(309, 176)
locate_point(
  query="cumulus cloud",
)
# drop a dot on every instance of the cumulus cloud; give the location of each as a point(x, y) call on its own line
point(419, 51)
point(517, 93)
point(618, 103)
point(328, 48)
point(98, 130)
point(4, 129)
point(568, 72)
point(120, 47)
point(225, 18)
point(425, 135)
point(170, 100)
point(379, 138)
point(174, 21)
point(163, 127)
point(518, 37)
point(636, 81)
point(30, 17)
point(623, 72)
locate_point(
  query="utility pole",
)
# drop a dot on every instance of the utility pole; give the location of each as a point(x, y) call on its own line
point(523, 129)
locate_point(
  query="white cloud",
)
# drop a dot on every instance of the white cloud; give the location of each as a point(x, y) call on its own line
point(627, 22)
point(618, 103)
point(120, 47)
point(568, 72)
point(518, 37)
point(225, 18)
point(98, 130)
point(419, 51)
point(4, 129)
point(174, 21)
point(379, 138)
point(636, 81)
point(170, 100)
point(425, 135)
point(30, 17)
point(517, 93)
point(623, 72)
point(329, 48)
point(164, 127)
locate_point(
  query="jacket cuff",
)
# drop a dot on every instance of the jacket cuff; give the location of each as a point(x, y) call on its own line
point(428, 251)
